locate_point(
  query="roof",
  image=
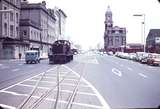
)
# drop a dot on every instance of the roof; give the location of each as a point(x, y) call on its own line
point(108, 10)
point(31, 51)
point(153, 33)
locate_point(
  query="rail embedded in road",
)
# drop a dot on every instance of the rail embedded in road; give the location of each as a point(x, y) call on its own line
point(57, 88)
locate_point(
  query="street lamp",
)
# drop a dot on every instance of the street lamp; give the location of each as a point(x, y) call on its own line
point(143, 23)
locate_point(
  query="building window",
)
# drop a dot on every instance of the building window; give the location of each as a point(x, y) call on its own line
point(17, 2)
point(11, 16)
point(11, 30)
point(113, 31)
point(5, 28)
point(121, 31)
point(17, 17)
point(24, 33)
point(17, 32)
point(5, 14)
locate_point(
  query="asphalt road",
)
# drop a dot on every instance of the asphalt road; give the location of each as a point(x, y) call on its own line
point(123, 83)
point(108, 82)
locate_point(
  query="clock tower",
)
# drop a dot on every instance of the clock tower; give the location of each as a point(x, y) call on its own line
point(108, 19)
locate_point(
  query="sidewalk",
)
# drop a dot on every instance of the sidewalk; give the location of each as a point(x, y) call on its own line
point(6, 60)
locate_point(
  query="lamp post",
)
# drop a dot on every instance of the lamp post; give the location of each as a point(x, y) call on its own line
point(143, 23)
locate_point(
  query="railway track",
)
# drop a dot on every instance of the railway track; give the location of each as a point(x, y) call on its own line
point(29, 103)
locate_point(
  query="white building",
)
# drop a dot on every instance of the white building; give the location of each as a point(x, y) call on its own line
point(9, 29)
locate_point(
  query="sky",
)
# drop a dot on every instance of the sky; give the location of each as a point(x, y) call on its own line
point(85, 18)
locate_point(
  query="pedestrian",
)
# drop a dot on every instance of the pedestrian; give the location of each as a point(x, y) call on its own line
point(20, 55)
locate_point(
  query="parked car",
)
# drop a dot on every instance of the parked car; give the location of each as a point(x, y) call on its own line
point(140, 56)
point(132, 56)
point(32, 56)
point(153, 59)
point(144, 58)
point(110, 53)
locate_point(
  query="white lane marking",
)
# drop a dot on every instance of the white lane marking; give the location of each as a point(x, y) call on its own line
point(63, 84)
point(25, 85)
point(53, 77)
point(7, 106)
point(142, 75)
point(102, 100)
point(20, 64)
point(13, 93)
point(82, 104)
point(14, 70)
point(74, 103)
point(129, 68)
point(1, 64)
point(117, 72)
point(46, 88)
point(22, 81)
point(90, 61)
point(19, 82)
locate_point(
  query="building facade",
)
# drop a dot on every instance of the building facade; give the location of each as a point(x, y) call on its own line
point(37, 26)
point(28, 26)
point(60, 23)
point(153, 41)
point(10, 43)
point(114, 36)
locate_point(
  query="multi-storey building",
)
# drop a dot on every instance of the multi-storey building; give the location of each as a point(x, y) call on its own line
point(37, 26)
point(153, 41)
point(114, 37)
point(9, 28)
point(60, 22)
point(28, 26)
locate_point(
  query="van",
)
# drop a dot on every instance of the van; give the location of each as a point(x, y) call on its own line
point(32, 56)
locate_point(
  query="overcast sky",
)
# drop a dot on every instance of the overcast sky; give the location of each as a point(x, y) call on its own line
point(85, 21)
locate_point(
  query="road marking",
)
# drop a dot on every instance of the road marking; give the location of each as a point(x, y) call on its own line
point(1, 64)
point(23, 81)
point(144, 76)
point(74, 103)
point(102, 100)
point(14, 70)
point(25, 85)
point(20, 64)
point(7, 106)
point(13, 93)
point(63, 84)
point(82, 104)
point(117, 72)
point(129, 68)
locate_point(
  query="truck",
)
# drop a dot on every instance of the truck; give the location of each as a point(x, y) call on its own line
point(60, 52)
point(32, 56)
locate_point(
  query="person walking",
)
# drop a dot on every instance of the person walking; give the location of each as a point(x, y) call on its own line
point(20, 55)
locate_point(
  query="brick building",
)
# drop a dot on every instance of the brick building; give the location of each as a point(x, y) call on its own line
point(153, 41)
point(114, 36)
point(29, 26)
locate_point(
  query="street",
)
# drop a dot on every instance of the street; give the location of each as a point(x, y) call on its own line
point(107, 82)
